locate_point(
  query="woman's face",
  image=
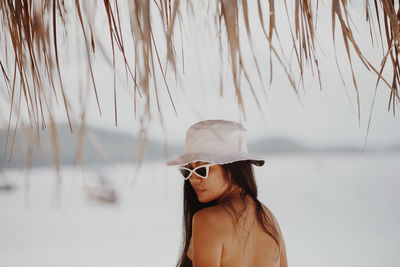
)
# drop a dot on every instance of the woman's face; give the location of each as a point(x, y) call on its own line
point(212, 187)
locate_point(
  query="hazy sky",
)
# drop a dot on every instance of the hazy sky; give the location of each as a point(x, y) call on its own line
point(314, 116)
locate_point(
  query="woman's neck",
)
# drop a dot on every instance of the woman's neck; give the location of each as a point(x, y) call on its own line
point(235, 193)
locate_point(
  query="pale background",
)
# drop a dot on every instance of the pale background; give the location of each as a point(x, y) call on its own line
point(334, 210)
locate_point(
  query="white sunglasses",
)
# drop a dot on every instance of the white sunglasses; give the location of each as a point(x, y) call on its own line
point(201, 171)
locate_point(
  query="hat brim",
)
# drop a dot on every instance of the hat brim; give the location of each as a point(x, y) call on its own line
point(215, 158)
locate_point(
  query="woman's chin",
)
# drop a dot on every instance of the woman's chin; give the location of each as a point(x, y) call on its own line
point(203, 199)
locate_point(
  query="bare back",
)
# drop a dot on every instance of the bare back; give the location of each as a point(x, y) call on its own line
point(246, 244)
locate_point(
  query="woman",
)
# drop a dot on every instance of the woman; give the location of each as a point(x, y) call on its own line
point(224, 223)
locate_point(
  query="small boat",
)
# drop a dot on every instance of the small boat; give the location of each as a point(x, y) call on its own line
point(101, 190)
point(5, 185)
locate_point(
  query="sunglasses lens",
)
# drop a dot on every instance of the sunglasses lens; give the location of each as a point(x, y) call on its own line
point(202, 171)
point(184, 172)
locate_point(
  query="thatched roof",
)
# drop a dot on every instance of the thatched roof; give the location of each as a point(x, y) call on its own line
point(32, 33)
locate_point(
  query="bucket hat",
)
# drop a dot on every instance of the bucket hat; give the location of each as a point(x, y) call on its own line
point(216, 141)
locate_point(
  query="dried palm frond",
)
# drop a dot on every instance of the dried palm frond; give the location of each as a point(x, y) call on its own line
point(32, 70)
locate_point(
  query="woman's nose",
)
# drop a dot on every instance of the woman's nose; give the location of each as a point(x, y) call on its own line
point(195, 179)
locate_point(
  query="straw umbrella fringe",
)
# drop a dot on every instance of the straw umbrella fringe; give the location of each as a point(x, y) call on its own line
point(30, 64)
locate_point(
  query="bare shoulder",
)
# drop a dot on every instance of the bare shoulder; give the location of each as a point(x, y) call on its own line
point(208, 237)
point(214, 218)
point(272, 217)
point(210, 214)
point(283, 256)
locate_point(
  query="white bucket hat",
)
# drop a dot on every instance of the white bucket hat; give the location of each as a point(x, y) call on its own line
point(216, 141)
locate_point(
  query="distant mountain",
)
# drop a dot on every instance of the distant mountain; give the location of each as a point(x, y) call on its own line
point(277, 145)
point(97, 146)
point(112, 146)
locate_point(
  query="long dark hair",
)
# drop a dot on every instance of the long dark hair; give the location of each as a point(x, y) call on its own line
point(241, 174)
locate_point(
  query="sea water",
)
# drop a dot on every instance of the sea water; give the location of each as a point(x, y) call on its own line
point(333, 209)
